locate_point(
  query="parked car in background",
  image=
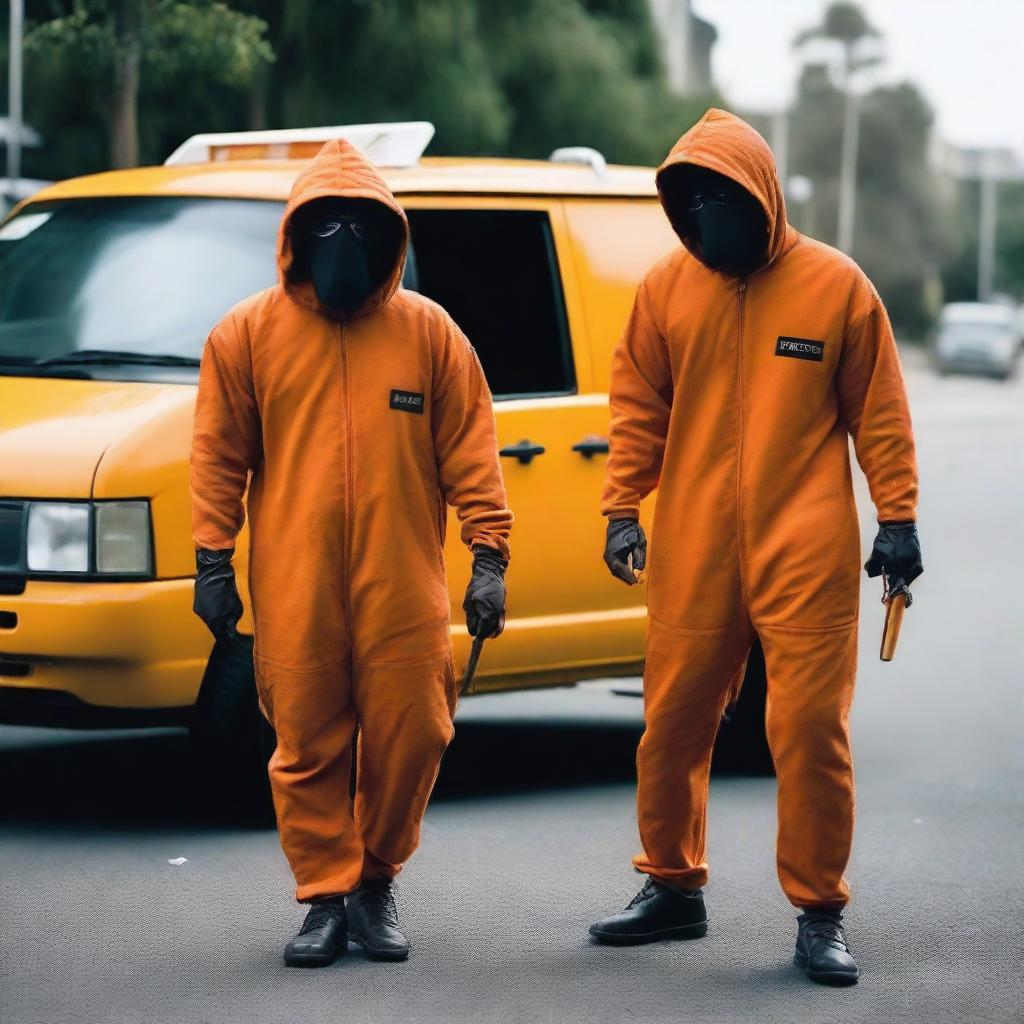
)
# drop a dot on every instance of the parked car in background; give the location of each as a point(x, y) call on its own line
point(978, 337)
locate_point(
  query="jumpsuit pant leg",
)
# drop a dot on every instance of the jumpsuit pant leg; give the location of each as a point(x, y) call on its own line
point(405, 724)
point(810, 689)
point(314, 716)
point(688, 678)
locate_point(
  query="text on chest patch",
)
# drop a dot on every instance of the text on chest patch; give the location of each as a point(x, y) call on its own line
point(800, 348)
point(407, 401)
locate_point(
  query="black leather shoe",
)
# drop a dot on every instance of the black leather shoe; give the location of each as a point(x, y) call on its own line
point(657, 912)
point(323, 936)
point(821, 949)
point(373, 922)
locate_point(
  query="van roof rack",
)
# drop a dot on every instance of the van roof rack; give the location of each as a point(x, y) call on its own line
point(592, 158)
point(394, 144)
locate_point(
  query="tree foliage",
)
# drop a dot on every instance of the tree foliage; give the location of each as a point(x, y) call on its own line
point(902, 236)
point(1009, 270)
point(505, 77)
point(845, 23)
point(194, 59)
point(960, 275)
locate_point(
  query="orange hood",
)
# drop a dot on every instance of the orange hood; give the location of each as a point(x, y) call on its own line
point(725, 143)
point(338, 170)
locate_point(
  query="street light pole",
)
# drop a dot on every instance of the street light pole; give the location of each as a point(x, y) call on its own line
point(987, 228)
point(848, 166)
point(780, 145)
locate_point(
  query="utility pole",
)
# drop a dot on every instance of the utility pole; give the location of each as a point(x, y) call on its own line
point(848, 169)
point(987, 227)
point(848, 151)
point(780, 144)
point(987, 167)
point(14, 94)
point(857, 52)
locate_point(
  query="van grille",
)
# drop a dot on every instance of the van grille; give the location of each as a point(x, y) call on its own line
point(12, 515)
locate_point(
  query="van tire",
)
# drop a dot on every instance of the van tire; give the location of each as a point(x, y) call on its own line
point(742, 745)
point(231, 740)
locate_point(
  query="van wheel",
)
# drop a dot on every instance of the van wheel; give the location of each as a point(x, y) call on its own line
point(742, 746)
point(231, 740)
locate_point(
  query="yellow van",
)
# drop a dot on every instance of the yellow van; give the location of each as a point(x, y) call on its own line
point(109, 285)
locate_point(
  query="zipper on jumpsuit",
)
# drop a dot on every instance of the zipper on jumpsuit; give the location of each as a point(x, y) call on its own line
point(733, 694)
point(347, 498)
point(741, 294)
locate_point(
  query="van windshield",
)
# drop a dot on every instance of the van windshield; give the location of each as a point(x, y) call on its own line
point(147, 275)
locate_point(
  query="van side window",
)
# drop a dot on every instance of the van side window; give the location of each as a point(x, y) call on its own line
point(496, 273)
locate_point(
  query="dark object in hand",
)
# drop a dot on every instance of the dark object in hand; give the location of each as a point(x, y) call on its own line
point(897, 554)
point(485, 596)
point(216, 599)
point(625, 539)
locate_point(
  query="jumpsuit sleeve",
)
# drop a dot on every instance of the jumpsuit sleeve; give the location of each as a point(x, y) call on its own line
point(226, 441)
point(466, 444)
point(640, 397)
point(873, 401)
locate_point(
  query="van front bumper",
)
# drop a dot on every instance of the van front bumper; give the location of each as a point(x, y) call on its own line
point(108, 646)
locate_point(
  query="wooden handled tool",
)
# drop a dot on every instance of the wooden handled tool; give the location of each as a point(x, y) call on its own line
point(474, 659)
point(895, 605)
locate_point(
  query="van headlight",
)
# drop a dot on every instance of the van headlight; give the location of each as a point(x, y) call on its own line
point(58, 536)
point(98, 538)
point(122, 537)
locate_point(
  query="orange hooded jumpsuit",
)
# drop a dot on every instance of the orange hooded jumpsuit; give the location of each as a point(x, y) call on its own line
point(357, 435)
point(736, 398)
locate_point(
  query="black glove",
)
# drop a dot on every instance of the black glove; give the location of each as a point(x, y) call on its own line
point(216, 599)
point(897, 553)
point(625, 537)
point(485, 596)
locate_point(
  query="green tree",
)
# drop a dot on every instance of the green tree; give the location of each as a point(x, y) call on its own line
point(960, 275)
point(901, 233)
point(501, 77)
point(1009, 275)
point(843, 23)
point(845, 28)
point(348, 61)
point(573, 77)
point(92, 65)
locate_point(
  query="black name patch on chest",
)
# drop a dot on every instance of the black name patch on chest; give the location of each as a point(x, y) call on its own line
point(800, 348)
point(407, 401)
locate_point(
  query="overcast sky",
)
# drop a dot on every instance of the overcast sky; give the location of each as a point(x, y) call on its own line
point(966, 56)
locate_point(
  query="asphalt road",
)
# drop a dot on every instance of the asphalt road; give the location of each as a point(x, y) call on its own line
point(530, 833)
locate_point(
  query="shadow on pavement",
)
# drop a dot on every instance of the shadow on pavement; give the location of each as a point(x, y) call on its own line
point(503, 758)
point(146, 779)
point(68, 778)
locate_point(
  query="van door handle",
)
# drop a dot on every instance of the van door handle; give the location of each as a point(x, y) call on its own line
point(525, 451)
point(591, 446)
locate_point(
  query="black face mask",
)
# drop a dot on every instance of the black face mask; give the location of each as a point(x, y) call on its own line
point(727, 224)
point(733, 240)
point(340, 271)
point(344, 248)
